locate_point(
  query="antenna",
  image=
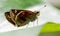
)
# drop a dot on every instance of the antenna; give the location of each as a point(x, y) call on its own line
point(37, 17)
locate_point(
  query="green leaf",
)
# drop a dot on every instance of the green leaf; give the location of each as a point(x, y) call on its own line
point(51, 27)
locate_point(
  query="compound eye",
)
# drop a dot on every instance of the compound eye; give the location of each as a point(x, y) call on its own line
point(37, 12)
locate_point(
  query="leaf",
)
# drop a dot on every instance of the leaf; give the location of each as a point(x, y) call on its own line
point(51, 27)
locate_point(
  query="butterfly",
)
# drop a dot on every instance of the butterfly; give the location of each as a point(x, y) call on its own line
point(21, 17)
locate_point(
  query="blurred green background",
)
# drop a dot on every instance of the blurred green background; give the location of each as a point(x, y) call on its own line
point(17, 4)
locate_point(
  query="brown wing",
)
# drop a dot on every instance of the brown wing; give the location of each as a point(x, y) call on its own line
point(21, 17)
point(7, 15)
